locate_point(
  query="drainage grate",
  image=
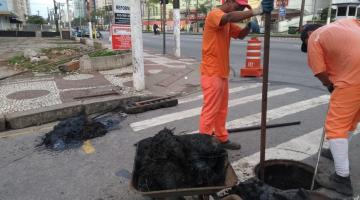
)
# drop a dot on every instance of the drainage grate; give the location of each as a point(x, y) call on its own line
point(152, 104)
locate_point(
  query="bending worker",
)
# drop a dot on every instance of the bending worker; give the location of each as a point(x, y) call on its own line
point(333, 56)
point(219, 29)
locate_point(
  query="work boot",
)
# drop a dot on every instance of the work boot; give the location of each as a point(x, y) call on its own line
point(335, 182)
point(230, 145)
point(325, 152)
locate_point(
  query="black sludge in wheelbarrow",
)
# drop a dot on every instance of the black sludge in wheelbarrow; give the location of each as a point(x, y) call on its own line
point(166, 161)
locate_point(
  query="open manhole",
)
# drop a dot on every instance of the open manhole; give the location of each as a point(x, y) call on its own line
point(287, 174)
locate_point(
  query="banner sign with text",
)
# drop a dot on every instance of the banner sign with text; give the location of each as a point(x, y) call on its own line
point(121, 12)
point(121, 37)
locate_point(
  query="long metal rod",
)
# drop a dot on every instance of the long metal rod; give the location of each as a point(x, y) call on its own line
point(318, 160)
point(257, 127)
point(265, 93)
point(318, 155)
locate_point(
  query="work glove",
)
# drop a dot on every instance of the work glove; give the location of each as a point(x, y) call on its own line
point(330, 88)
point(267, 5)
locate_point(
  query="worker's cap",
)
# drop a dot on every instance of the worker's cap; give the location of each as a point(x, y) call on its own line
point(304, 34)
point(243, 3)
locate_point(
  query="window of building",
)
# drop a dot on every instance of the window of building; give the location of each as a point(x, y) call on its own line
point(341, 11)
point(352, 11)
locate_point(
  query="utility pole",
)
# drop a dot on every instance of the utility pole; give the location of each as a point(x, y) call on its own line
point(164, 24)
point(302, 15)
point(176, 18)
point(314, 12)
point(137, 45)
point(148, 5)
point(329, 13)
point(56, 17)
point(196, 16)
point(68, 15)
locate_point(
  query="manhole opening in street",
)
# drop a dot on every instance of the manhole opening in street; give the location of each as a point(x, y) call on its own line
point(287, 174)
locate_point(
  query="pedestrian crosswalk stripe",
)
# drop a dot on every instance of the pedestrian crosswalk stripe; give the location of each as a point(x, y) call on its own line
point(299, 148)
point(279, 112)
point(141, 125)
point(232, 90)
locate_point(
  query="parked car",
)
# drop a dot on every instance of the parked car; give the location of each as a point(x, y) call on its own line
point(85, 33)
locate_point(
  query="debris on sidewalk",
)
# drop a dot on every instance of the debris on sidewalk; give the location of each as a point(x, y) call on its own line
point(72, 132)
point(142, 106)
point(71, 66)
point(168, 161)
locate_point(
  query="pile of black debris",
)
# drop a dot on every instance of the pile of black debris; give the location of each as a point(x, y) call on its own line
point(254, 189)
point(168, 161)
point(72, 132)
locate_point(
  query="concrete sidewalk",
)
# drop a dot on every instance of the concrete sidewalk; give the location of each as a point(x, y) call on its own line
point(165, 75)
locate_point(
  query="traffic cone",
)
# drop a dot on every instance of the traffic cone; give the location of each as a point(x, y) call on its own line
point(253, 59)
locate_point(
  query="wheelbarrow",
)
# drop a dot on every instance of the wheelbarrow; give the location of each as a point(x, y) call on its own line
point(203, 193)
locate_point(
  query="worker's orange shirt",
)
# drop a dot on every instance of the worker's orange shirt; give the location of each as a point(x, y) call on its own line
point(216, 45)
point(335, 49)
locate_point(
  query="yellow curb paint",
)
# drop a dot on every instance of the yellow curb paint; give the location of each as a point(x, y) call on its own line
point(88, 148)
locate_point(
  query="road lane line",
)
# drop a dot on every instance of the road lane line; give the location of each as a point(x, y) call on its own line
point(232, 90)
point(163, 119)
point(279, 112)
point(299, 148)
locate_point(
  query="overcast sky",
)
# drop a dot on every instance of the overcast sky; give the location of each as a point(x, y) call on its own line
point(41, 6)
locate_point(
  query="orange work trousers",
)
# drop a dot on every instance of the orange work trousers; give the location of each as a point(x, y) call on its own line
point(215, 105)
point(344, 112)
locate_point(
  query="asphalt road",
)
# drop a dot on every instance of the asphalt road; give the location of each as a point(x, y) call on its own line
point(294, 95)
point(287, 62)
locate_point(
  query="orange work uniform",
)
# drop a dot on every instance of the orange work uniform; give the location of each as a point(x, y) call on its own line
point(335, 49)
point(214, 74)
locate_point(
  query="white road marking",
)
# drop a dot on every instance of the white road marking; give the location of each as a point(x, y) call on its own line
point(141, 125)
point(299, 148)
point(279, 112)
point(232, 90)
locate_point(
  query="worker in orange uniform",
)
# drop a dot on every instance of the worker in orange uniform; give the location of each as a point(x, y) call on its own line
point(219, 29)
point(333, 56)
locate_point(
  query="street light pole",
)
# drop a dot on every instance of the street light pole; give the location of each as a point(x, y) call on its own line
point(302, 15)
point(56, 17)
point(164, 24)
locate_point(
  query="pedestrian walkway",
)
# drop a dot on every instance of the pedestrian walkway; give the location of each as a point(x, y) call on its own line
point(164, 75)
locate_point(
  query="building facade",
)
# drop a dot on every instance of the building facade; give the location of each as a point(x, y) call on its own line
point(79, 9)
point(347, 8)
point(13, 13)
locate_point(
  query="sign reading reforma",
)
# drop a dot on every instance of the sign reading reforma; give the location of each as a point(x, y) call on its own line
point(121, 37)
point(3, 5)
point(122, 12)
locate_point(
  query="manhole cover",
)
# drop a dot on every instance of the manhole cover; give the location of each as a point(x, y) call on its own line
point(28, 94)
point(287, 174)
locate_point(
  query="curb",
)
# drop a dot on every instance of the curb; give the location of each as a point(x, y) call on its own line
point(2, 123)
point(35, 117)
